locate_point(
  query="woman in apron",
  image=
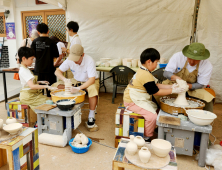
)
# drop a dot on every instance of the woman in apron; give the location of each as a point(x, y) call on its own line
point(31, 93)
point(192, 66)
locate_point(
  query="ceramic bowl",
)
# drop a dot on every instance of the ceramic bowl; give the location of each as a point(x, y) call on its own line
point(161, 147)
point(201, 117)
point(12, 128)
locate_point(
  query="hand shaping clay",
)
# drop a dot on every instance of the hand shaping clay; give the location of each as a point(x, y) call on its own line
point(181, 98)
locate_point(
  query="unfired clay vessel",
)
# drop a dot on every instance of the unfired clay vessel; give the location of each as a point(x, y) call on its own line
point(134, 63)
point(139, 141)
point(12, 128)
point(181, 98)
point(84, 139)
point(131, 146)
point(1, 124)
point(77, 138)
point(11, 120)
point(144, 154)
point(161, 147)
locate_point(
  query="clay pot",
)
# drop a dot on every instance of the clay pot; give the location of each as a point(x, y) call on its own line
point(11, 120)
point(131, 147)
point(139, 141)
point(129, 64)
point(134, 63)
point(1, 124)
point(107, 64)
point(144, 154)
point(77, 138)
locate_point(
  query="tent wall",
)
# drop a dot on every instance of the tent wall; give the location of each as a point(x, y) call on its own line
point(209, 32)
point(124, 28)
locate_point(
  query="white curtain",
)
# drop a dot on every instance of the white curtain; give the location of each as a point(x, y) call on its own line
point(124, 28)
point(209, 32)
point(59, 3)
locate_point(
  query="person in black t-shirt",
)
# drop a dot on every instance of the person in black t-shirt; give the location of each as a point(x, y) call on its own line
point(45, 50)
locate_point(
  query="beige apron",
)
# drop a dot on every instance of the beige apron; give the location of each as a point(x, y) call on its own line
point(68, 74)
point(142, 99)
point(192, 78)
point(32, 97)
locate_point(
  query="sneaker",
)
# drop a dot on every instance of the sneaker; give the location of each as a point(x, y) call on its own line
point(91, 122)
point(147, 139)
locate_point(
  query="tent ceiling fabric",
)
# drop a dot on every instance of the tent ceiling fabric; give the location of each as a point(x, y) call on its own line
point(209, 32)
point(59, 3)
point(120, 29)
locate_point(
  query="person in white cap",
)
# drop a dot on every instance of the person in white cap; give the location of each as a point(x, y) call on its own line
point(84, 71)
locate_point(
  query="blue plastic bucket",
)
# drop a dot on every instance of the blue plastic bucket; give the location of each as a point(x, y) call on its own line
point(162, 65)
point(82, 149)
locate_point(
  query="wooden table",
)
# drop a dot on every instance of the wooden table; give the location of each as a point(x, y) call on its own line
point(107, 69)
point(22, 150)
point(182, 137)
point(8, 70)
point(120, 162)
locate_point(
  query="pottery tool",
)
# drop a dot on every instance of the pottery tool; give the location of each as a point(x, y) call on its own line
point(169, 120)
point(45, 107)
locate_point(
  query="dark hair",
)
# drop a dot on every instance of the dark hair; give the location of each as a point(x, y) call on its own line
point(42, 28)
point(149, 54)
point(73, 25)
point(55, 39)
point(25, 52)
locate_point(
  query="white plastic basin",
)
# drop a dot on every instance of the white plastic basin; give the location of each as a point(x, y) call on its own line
point(12, 128)
point(161, 147)
point(201, 117)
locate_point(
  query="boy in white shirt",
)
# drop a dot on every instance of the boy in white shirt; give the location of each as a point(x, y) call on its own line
point(84, 71)
point(31, 93)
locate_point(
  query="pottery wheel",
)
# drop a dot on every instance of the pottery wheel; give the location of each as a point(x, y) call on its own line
point(7, 136)
point(155, 162)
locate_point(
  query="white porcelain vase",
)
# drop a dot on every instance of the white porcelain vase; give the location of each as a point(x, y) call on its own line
point(144, 154)
point(1, 124)
point(11, 120)
point(131, 147)
point(139, 141)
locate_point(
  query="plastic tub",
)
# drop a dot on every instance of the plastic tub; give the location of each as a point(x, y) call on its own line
point(162, 65)
point(82, 149)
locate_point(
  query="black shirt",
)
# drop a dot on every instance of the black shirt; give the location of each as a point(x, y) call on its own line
point(45, 50)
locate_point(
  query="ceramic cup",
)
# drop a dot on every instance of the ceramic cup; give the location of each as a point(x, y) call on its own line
point(129, 64)
point(107, 64)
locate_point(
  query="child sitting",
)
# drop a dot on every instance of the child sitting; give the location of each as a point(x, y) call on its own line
point(31, 92)
point(138, 94)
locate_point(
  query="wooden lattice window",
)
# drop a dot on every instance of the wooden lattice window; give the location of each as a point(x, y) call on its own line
point(2, 25)
point(55, 19)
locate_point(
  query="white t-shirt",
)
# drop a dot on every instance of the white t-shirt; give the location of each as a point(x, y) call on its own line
point(82, 72)
point(25, 75)
point(178, 60)
point(74, 40)
point(59, 46)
